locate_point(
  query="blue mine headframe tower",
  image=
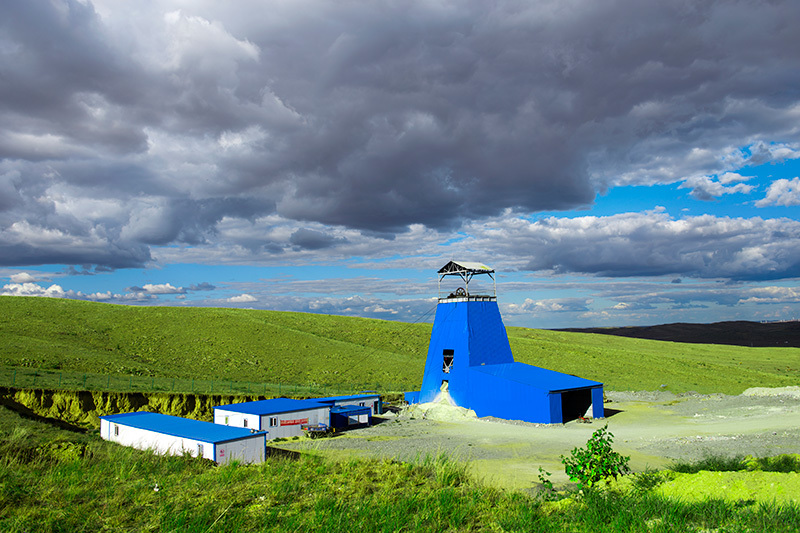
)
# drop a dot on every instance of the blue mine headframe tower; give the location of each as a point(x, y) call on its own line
point(470, 362)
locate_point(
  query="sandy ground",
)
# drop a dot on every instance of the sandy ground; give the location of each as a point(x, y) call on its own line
point(653, 428)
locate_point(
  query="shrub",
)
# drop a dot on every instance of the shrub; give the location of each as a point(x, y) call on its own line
point(779, 463)
point(596, 461)
point(710, 463)
point(720, 463)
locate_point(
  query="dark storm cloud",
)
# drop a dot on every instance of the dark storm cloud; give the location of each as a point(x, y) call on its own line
point(188, 221)
point(57, 66)
point(151, 123)
point(313, 240)
point(74, 251)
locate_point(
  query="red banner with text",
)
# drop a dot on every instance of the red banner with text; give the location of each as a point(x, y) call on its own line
point(295, 422)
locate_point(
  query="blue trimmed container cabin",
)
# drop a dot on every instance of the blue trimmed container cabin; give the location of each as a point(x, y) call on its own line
point(173, 435)
point(282, 417)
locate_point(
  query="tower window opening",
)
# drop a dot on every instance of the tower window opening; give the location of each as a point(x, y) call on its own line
point(447, 362)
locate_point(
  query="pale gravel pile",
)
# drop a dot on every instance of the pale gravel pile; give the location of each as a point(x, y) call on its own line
point(441, 411)
point(792, 391)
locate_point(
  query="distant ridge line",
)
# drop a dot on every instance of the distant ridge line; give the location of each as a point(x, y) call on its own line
point(734, 333)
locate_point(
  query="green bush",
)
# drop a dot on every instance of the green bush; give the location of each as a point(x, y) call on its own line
point(596, 461)
point(720, 463)
point(710, 463)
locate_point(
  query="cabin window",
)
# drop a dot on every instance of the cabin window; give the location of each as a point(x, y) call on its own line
point(273, 421)
point(447, 363)
point(116, 430)
point(361, 404)
point(245, 423)
point(226, 420)
point(200, 450)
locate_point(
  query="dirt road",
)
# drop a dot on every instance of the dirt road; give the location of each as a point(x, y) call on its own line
point(653, 428)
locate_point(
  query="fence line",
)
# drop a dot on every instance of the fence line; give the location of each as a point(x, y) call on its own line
point(23, 377)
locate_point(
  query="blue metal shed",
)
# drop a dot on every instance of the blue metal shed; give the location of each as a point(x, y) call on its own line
point(343, 416)
point(364, 399)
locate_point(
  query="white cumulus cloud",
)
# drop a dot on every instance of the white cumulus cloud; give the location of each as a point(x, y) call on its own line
point(164, 288)
point(242, 299)
point(22, 277)
point(33, 289)
point(782, 192)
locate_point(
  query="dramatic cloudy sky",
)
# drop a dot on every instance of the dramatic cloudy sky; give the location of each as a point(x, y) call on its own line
point(619, 162)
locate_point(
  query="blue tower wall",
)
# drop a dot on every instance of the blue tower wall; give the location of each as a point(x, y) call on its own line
point(474, 331)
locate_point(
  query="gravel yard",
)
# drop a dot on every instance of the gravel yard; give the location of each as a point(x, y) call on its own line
point(653, 428)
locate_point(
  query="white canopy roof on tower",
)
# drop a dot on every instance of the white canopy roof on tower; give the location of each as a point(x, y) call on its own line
point(459, 267)
point(465, 270)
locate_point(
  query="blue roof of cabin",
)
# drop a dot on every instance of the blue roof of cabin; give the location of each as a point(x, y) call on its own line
point(541, 378)
point(346, 398)
point(180, 427)
point(272, 407)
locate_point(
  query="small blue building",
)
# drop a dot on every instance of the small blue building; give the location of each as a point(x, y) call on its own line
point(285, 417)
point(470, 361)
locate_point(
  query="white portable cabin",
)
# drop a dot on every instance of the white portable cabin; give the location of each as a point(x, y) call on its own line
point(174, 435)
point(282, 417)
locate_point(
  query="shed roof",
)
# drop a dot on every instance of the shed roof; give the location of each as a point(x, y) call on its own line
point(273, 406)
point(351, 410)
point(541, 378)
point(180, 427)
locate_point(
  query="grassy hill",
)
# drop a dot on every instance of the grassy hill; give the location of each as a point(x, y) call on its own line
point(206, 343)
point(271, 346)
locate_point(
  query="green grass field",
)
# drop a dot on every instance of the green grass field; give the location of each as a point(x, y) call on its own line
point(308, 349)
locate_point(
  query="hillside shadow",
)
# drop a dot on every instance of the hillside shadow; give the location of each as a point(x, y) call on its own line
point(29, 414)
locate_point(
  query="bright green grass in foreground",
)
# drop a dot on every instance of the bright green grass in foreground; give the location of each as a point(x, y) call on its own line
point(52, 480)
point(301, 348)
